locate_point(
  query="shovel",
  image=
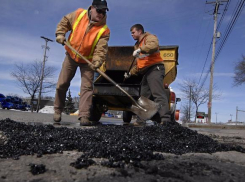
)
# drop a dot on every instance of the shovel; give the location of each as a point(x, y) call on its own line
point(129, 68)
point(143, 107)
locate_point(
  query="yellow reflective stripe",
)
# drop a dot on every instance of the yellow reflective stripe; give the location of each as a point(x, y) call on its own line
point(77, 21)
point(102, 30)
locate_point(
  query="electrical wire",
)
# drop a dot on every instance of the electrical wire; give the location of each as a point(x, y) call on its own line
point(230, 27)
point(223, 14)
point(235, 16)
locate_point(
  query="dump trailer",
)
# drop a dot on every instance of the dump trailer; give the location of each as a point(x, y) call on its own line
point(106, 96)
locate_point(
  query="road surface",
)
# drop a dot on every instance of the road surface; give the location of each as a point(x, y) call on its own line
point(219, 166)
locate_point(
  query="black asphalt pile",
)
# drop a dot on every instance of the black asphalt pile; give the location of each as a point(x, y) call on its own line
point(119, 145)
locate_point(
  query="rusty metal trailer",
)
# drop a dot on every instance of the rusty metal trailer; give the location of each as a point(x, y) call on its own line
point(119, 58)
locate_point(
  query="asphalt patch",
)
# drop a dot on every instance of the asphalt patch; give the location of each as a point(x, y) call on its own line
point(118, 145)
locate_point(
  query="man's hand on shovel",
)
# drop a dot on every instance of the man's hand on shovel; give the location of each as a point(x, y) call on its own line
point(94, 65)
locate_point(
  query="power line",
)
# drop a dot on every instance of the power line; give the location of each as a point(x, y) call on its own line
point(223, 14)
point(219, 24)
point(198, 36)
point(230, 27)
point(204, 80)
point(236, 14)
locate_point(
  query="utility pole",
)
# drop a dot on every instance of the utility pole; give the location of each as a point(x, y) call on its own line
point(236, 114)
point(189, 115)
point(215, 13)
point(237, 110)
point(43, 66)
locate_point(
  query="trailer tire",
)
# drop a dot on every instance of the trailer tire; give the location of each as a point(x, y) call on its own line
point(173, 117)
point(156, 118)
point(127, 116)
point(95, 114)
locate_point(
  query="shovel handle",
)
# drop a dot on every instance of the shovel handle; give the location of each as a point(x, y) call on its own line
point(105, 76)
point(129, 68)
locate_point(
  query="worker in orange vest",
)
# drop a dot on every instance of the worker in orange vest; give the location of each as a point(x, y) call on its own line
point(150, 64)
point(89, 35)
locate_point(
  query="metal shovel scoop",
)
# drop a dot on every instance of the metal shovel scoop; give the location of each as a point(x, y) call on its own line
point(143, 107)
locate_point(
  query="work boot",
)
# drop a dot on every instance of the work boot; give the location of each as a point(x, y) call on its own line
point(57, 117)
point(139, 122)
point(84, 121)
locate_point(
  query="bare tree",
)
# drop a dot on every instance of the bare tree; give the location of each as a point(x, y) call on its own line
point(187, 112)
point(239, 70)
point(197, 94)
point(29, 78)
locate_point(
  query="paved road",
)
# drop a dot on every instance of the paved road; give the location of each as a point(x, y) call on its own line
point(43, 118)
point(219, 166)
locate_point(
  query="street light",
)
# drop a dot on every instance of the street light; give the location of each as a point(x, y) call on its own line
point(231, 117)
point(43, 66)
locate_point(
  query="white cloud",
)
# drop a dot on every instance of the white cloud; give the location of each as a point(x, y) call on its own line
point(21, 47)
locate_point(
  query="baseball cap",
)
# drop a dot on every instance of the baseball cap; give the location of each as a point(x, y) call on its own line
point(100, 4)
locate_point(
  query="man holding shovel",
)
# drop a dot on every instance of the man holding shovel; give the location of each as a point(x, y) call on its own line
point(89, 36)
point(150, 64)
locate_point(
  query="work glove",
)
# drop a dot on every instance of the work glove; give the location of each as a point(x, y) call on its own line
point(127, 75)
point(134, 71)
point(61, 39)
point(95, 65)
point(136, 53)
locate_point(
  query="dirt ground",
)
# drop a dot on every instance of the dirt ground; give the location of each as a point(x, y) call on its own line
point(220, 166)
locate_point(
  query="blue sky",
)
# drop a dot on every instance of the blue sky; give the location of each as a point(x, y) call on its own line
point(186, 23)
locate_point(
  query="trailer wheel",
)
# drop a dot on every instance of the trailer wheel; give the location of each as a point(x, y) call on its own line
point(95, 114)
point(156, 118)
point(127, 116)
point(173, 117)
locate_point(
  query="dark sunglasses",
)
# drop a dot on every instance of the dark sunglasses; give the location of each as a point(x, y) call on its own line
point(100, 11)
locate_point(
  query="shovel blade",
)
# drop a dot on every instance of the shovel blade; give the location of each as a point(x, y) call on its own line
point(151, 108)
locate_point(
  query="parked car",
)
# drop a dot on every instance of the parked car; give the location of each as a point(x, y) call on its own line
point(2, 98)
point(27, 106)
point(173, 102)
point(8, 104)
point(19, 105)
point(11, 98)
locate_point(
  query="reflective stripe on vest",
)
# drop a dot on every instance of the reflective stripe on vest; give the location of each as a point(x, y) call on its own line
point(102, 30)
point(146, 55)
point(77, 21)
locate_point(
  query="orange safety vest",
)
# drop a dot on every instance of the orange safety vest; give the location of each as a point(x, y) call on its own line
point(145, 60)
point(84, 42)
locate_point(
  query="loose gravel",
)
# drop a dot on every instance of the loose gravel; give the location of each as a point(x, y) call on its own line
point(117, 145)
